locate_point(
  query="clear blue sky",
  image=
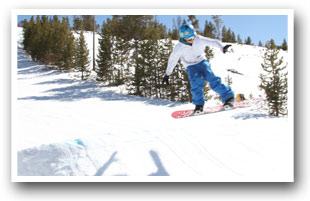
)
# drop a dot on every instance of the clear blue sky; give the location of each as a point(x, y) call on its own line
point(258, 27)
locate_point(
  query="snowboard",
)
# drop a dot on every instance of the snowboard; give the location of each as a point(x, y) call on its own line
point(212, 109)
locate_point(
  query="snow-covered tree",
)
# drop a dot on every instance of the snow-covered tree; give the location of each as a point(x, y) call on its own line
point(274, 80)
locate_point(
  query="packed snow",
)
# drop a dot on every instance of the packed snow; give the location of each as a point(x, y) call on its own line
point(63, 126)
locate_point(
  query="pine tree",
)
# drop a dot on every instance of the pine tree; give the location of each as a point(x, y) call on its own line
point(271, 44)
point(82, 53)
point(260, 44)
point(228, 80)
point(248, 41)
point(120, 54)
point(88, 22)
point(117, 71)
point(174, 33)
point(206, 91)
point(77, 24)
point(135, 29)
point(284, 45)
point(136, 79)
point(69, 52)
point(239, 40)
point(193, 21)
point(35, 40)
point(46, 40)
point(58, 42)
point(165, 49)
point(209, 53)
point(65, 61)
point(218, 23)
point(209, 30)
point(274, 80)
point(228, 35)
point(28, 33)
point(225, 36)
point(233, 38)
point(179, 87)
point(104, 61)
point(148, 59)
point(50, 41)
point(84, 22)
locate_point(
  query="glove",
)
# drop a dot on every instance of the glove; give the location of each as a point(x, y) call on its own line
point(225, 48)
point(166, 79)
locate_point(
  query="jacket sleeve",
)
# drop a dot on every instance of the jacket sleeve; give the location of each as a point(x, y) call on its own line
point(211, 42)
point(173, 59)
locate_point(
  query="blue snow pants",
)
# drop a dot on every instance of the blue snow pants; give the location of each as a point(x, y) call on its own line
point(198, 74)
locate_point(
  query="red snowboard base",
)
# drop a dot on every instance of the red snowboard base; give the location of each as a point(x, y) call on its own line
point(208, 110)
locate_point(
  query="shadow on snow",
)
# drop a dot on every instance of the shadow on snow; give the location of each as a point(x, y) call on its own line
point(161, 171)
point(101, 170)
point(79, 90)
point(249, 115)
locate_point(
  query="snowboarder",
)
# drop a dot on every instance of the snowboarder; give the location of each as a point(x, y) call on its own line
point(190, 49)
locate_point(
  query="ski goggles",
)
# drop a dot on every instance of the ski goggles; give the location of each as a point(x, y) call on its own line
point(187, 34)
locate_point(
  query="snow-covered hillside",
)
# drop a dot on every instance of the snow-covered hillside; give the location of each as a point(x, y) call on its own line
point(63, 126)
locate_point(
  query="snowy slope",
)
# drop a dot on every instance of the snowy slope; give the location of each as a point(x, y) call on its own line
point(67, 127)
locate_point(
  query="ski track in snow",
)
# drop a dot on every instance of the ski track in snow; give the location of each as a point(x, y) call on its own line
point(68, 127)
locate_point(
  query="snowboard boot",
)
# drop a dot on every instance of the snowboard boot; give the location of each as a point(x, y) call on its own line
point(198, 109)
point(229, 103)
